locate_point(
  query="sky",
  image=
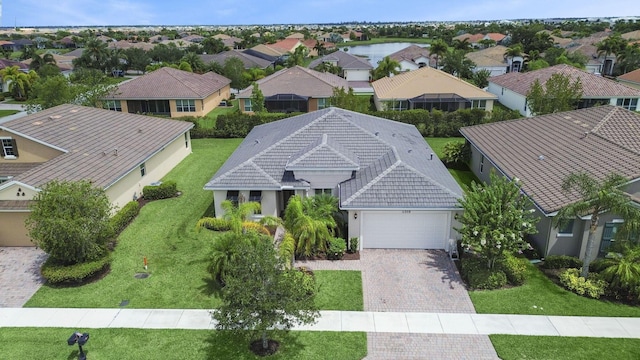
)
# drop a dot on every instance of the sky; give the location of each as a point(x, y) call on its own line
point(26, 13)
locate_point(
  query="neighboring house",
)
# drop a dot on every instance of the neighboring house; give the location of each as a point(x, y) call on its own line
point(356, 70)
point(512, 88)
point(428, 88)
point(169, 91)
point(296, 35)
point(228, 41)
point(542, 151)
point(491, 59)
point(631, 35)
point(587, 46)
point(17, 44)
point(63, 62)
point(248, 60)
point(194, 38)
point(310, 44)
point(286, 45)
point(5, 63)
point(124, 44)
point(267, 50)
point(631, 78)
point(295, 89)
point(120, 153)
point(475, 39)
point(398, 194)
point(413, 57)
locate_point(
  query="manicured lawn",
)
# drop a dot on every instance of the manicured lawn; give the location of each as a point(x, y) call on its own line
point(345, 290)
point(548, 299)
point(209, 121)
point(164, 233)
point(463, 177)
point(4, 113)
point(49, 343)
point(515, 347)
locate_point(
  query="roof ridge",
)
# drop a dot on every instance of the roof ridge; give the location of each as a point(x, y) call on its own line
point(430, 179)
point(181, 81)
point(323, 145)
point(248, 162)
point(377, 178)
point(604, 120)
point(320, 76)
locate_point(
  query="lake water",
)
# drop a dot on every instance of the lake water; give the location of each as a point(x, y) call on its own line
point(376, 52)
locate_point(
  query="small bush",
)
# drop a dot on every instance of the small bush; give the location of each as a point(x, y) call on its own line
point(125, 216)
point(167, 189)
point(470, 264)
point(598, 265)
point(308, 279)
point(336, 249)
point(353, 245)
point(254, 226)
point(592, 287)
point(487, 279)
point(514, 268)
point(215, 224)
point(55, 273)
point(456, 154)
point(561, 262)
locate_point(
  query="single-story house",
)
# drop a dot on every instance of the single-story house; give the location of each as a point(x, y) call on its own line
point(413, 57)
point(169, 91)
point(397, 193)
point(428, 88)
point(356, 70)
point(542, 151)
point(120, 153)
point(247, 59)
point(512, 88)
point(596, 63)
point(632, 78)
point(295, 89)
point(491, 59)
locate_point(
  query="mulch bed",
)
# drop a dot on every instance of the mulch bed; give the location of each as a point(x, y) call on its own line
point(256, 347)
point(346, 256)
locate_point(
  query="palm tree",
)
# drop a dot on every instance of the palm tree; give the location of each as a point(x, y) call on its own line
point(311, 234)
point(463, 45)
point(513, 51)
point(297, 58)
point(438, 49)
point(197, 65)
point(96, 53)
point(319, 47)
point(623, 271)
point(19, 82)
point(386, 67)
point(629, 58)
point(236, 215)
point(596, 197)
point(612, 45)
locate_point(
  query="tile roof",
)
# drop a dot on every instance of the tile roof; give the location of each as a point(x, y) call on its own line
point(631, 76)
point(495, 36)
point(542, 151)
point(411, 53)
point(299, 81)
point(15, 205)
point(631, 35)
point(268, 50)
point(593, 86)
point(344, 60)
point(491, 56)
point(169, 83)
point(396, 169)
point(286, 45)
point(248, 60)
point(426, 80)
point(4, 63)
point(124, 44)
point(14, 169)
point(100, 145)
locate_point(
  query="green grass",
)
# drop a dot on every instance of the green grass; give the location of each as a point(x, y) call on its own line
point(549, 299)
point(4, 113)
point(49, 343)
point(339, 290)
point(12, 101)
point(463, 177)
point(209, 121)
point(566, 348)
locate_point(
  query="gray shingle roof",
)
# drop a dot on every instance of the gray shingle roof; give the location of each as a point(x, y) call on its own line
point(299, 81)
point(89, 139)
point(248, 60)
point(396, 169)
point(598, 140)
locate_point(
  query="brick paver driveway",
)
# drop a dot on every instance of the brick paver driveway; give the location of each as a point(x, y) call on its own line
point(413, 281)
point(19, 274)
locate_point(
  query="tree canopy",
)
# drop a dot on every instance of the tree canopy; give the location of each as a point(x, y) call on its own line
point(558, 94)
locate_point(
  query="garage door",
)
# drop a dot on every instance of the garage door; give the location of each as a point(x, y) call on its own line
point(397, 230)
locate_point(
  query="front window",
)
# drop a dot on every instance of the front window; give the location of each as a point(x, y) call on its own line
point(567, 229)
point(323, 103)
point(247, 105)
point(186, 105)
point(113, 105)
point(608, 236)
point(479, 104)
point(629, 104)
point(398, 105)
point(233, 195)
point(9, 148)
point(143, 169)
point(323, 191)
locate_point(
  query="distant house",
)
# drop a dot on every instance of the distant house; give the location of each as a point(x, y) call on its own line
point(631, 78)
point(542, 151)
point(356, 70)
point(475, 40)
point(428, 88)
point(512, 88)
point(491, 59)
point(124, 44)
point(170, 92)
point(120, 153)
point(295, 89)
point(5, 63)
point(413, 57)
point(247, 59)
point(596, 64)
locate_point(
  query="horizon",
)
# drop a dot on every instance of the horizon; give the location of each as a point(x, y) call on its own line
point(141, 13)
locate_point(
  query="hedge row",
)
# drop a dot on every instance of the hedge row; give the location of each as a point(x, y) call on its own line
point(167, 189)
point(74, 274)
point(125, 216)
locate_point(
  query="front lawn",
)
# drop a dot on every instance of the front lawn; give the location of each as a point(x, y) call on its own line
point(50, 343)
point(464, 177)
point(566, 348)
point(4, 113)
point(540, 296)
point(339, 290)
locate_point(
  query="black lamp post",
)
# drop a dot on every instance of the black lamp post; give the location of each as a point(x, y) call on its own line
point(81, 339)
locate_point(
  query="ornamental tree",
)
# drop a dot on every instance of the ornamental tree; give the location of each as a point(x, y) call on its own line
point(558, 94)
point(496, 218)
point(70, 221)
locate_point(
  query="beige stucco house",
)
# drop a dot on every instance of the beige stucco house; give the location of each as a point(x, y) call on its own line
point(118, 152)
point(170, 92)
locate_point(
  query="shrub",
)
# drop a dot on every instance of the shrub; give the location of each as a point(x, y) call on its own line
point(353, 245)
point(254, 226)
point(336, 249)
point(470, 264)
point(561, 262)
point(167, 189)
point(592, 287)
point(215, 224)
point(308, 279)
point(598, 265)
point(486, 279)
point(456, 154)
point(125, 216)
point(514, 268)
point(56, 273)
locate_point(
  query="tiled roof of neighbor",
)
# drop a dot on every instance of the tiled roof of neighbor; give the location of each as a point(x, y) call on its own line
point(396, 169)
point(587, 45)
point(631, 35)
point(95, 144)
point(542, 151)
point(631, 76)
point(472, 38)
point(426, 80)
point(124, 44)
point(299, 81)
point(344, 60)
point(287, 45)
point(248, 60)
point(4, 63)
point(63, 62)
point(491, 56)
point(411, 53)
point(170, 83)
point(15, 169)
point(496, 36)
point(593, 86)
point(268, 50)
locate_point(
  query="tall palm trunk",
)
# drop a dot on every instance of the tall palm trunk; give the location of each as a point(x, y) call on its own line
point(591, 242)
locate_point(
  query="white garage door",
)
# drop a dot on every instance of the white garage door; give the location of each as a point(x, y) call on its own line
point(397, 230)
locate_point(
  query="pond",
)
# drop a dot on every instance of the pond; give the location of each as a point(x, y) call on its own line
point(376, 52)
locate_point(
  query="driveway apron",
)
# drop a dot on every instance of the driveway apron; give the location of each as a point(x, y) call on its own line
point(19, 274)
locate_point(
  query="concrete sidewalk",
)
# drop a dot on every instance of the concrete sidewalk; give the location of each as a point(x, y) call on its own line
point(371, 322)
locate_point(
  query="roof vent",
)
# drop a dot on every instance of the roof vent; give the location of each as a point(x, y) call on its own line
point(257, 141)
point(584, 136)
point(409, 151)
point(139, 131)
point(115, 152)
point(431, 156)
point(377, 133)
point(53, 117)
point(540, 157)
